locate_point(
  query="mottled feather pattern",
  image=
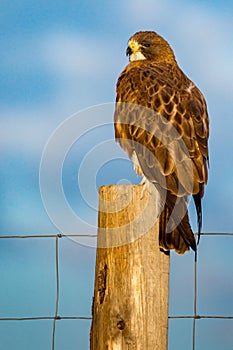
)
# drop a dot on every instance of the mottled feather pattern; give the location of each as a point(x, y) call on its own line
point(172, 104)
point(162, 116)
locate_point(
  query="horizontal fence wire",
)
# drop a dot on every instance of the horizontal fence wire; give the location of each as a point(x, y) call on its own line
point(57, 317)
point(198, 317)
point(39, 318)
point(60, 235)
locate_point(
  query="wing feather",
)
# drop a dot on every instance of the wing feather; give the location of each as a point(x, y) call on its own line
point(171, 128)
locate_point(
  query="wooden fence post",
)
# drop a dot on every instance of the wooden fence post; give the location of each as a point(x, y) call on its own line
point(130, 304)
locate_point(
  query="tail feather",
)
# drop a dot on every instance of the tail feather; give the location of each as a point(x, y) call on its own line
point(176, 233)
point(197, 201)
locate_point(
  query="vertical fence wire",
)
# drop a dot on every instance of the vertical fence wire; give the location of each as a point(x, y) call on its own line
point(57, 291)
point(194, 300)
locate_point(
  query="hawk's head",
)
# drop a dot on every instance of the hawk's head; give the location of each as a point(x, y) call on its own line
point(149, 46)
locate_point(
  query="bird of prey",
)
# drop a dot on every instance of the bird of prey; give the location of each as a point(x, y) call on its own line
point(161, 121)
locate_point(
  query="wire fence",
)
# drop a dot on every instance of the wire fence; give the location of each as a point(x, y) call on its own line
point(58, 317)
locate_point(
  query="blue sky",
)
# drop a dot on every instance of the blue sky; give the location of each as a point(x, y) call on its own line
point(57, 59)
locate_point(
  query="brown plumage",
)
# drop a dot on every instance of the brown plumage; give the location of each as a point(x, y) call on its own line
point(161, 120)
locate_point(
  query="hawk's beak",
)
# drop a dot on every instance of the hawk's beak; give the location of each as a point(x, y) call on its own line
point(129, 51)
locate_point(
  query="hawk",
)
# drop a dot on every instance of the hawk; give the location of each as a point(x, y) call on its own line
point(161, 121)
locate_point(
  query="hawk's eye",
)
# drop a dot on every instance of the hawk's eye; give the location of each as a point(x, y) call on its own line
point(146, 44)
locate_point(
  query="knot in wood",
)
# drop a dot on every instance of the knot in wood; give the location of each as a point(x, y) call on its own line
point(121, 325)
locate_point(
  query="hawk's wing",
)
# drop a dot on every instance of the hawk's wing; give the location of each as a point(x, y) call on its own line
point(172, 128)
point(161, 117)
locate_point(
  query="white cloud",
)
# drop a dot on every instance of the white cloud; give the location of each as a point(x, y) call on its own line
point(70, 54)
point(84, 66)
point(79, 65)
point(25, 131)
point(65, 53)
point(146, 13)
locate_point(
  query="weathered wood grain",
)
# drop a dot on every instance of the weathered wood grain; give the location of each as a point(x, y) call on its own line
point(130, 304)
